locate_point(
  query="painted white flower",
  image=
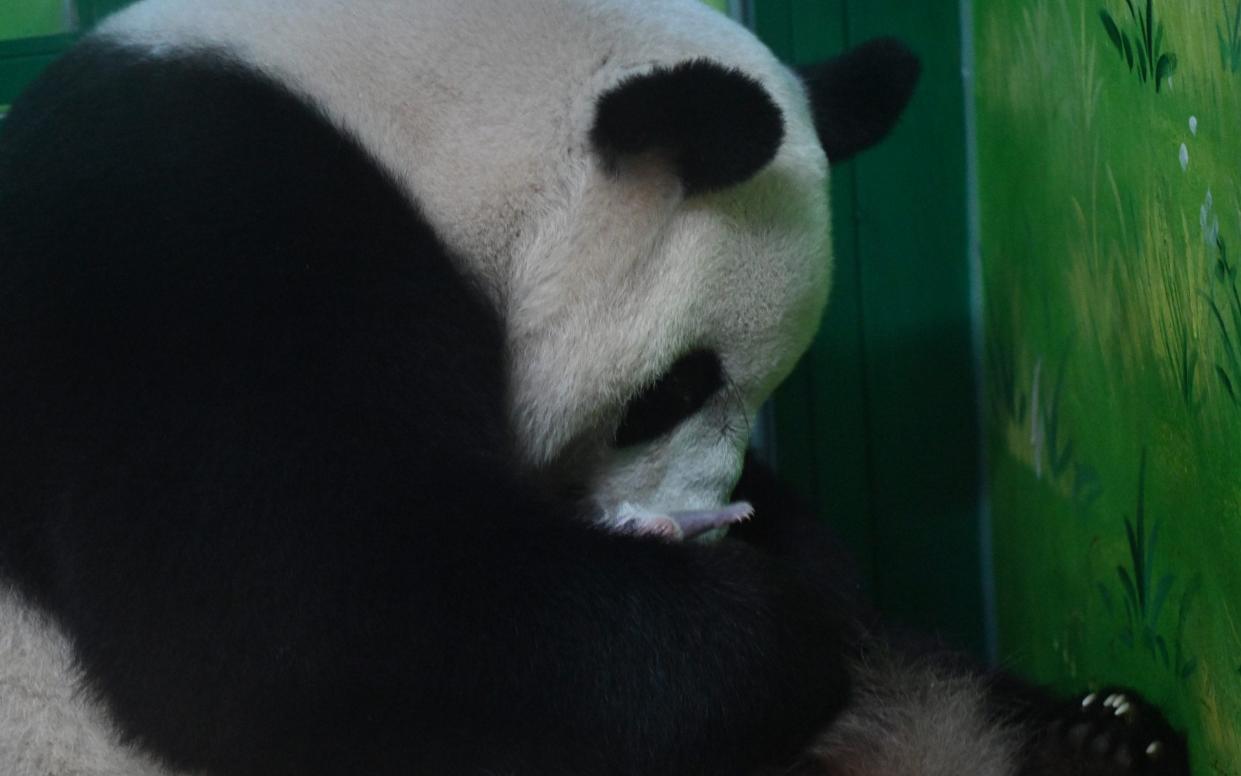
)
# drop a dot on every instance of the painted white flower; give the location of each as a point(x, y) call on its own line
point(1184, 158)
point(1209, 220)
point(1193, 125)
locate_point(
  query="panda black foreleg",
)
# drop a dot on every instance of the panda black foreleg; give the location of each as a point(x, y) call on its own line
point(474, 643)
point(313, 628)
point(1112, 732)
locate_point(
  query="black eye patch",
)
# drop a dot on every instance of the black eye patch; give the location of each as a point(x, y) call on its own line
point(678, 393)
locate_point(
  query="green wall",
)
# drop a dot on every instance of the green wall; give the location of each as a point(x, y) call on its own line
point(35, 32)
point(1111, 229)
point(31, 18)
point(878, 425)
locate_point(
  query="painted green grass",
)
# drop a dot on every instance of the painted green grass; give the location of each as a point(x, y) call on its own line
point(1109, 209)
point(1142, 32)
point(1229, 30)
point(1146, 589)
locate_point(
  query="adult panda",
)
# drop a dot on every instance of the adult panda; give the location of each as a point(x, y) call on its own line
point(366, 366)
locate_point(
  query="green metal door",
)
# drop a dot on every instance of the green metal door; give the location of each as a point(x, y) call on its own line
point(878, 426)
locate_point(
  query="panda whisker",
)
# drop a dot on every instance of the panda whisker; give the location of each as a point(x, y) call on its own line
point(735, 408)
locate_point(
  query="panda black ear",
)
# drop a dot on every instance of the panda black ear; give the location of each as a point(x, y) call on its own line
point(715, 125)
point(858, 97)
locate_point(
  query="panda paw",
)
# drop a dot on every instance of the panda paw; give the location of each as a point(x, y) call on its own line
point(1114, 732)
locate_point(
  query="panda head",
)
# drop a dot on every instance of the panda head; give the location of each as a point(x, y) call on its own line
point(653, 315)
point(639, 187)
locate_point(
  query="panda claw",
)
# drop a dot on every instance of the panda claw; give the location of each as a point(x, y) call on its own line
point(1111, 733)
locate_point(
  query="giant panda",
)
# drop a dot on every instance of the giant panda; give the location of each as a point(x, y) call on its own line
point(374, 379)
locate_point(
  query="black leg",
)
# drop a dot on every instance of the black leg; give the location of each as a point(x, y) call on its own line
point(1112, 732)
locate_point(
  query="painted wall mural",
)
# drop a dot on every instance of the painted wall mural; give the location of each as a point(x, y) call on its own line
point(1110, 167)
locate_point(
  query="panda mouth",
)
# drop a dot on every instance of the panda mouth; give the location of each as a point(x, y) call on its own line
point(704, 525)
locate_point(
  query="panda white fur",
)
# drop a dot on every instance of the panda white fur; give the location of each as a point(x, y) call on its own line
point(364, 367)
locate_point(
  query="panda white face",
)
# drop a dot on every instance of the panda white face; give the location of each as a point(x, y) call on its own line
point(672, 318)
point(648, 320)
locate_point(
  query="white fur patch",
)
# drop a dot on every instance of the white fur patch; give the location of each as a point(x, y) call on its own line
point(916, 718)
point(48, 725)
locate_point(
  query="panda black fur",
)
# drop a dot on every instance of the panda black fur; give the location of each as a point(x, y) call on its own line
point(319, 323)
